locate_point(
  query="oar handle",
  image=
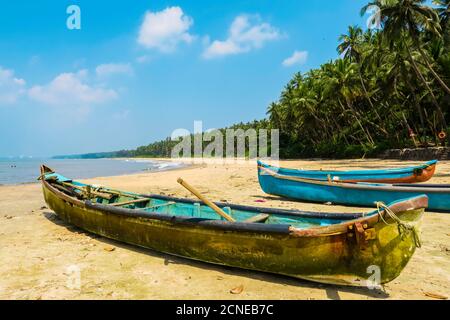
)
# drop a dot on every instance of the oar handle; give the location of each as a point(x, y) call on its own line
point(206, 201)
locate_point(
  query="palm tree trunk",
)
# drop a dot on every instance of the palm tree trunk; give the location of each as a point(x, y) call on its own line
point(416, 42)
point(367, 134)
point(416, 104)
point(339, 130)
point(373, 108)
point(422, 78)
point(366, 94)
point(435, 75)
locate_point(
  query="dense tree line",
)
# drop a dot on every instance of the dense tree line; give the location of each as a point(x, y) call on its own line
point(389, 88)
point(163, 148)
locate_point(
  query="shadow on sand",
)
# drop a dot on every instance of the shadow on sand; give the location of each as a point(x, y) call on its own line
point(332, 291)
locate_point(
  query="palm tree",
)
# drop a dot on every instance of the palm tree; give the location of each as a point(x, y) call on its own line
point(350, 48)
point(400, 17)
point(350, 43)
point(409, 17)
point(343, 82)
point(275, 115)
point(368, 96)
point(443, 10)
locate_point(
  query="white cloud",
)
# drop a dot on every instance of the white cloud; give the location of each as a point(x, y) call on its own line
point(71, 89)
point(163, 30)
point(109, 69)
point(298, 57)
point(10, 86)
point(245, 34)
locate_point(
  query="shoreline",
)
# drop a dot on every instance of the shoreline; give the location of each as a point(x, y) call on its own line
point(182, 165)
point(38, 248)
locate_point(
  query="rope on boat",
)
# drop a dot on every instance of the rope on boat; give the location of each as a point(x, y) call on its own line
point(404, 228)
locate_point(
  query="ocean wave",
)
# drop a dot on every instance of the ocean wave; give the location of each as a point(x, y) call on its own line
point(162, 166)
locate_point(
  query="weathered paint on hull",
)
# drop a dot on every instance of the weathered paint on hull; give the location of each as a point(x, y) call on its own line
point(333, 259)
point(357, 194)
point(420, 173)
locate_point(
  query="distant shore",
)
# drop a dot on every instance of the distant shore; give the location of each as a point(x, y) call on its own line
point(26, 171)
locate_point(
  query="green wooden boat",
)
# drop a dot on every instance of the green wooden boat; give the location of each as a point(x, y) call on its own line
point(332, 248)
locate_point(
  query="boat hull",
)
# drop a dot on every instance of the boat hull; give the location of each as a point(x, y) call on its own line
point(420, 173)
point(328, 255)
point(356, 194)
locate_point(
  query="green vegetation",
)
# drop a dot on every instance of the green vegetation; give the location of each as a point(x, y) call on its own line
point(163, 148)
point(389, 89)
point(386, 85)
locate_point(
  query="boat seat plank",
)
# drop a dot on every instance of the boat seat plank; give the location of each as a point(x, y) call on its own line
point(113, 193)
point(260, 218)
point(156, 206)
point(120, 204)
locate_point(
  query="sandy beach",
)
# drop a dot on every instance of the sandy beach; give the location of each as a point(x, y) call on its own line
point(38, 250)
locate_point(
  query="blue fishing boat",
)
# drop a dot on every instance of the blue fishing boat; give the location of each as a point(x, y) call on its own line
point(420, 173)
point(276, 182)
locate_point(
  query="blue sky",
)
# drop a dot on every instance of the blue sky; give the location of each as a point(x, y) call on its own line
point(137, 70)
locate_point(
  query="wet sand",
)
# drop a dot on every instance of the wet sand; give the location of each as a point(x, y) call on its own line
point(39, 252)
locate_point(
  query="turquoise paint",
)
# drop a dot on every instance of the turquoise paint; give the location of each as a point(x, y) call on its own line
point(360, 175)
point(197, 210)
point(358, 194)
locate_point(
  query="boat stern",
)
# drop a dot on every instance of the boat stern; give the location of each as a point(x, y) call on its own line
point(389, 245)
point(426, 173)
point(44, 169)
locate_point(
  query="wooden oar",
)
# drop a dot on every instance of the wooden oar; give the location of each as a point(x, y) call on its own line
point(135, 201)
point(206, 201)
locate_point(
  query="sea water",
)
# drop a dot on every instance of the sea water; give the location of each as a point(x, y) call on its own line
point(26, 170)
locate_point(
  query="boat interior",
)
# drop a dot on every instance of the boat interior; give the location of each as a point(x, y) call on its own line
point(163, 205)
